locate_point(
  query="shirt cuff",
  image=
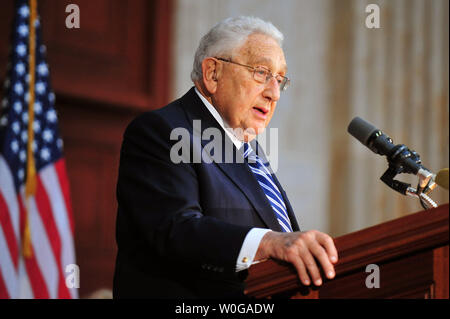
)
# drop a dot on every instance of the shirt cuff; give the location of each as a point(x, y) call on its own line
point(249, 248)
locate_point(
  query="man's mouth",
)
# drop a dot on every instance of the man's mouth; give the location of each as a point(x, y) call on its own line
point(262, 110)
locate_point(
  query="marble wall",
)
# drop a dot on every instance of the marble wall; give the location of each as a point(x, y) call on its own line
point(395, 77)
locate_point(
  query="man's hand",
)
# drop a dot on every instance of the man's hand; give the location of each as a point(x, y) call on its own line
point(300, 249)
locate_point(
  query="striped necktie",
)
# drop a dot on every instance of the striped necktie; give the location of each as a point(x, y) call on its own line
point(267, 184)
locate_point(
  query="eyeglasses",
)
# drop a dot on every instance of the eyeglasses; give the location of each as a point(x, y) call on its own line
point(263, 75)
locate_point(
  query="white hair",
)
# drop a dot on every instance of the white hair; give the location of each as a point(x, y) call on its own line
point(229, 35)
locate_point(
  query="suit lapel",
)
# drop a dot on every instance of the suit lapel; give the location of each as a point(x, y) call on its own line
point(237, 170)
point(247, 183)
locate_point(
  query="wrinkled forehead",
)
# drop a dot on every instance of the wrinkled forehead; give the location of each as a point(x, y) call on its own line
point(263, 50)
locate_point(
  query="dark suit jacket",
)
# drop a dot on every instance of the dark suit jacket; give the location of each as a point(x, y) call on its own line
point(180, 227)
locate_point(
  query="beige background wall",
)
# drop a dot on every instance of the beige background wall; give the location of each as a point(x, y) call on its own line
point(395, 77)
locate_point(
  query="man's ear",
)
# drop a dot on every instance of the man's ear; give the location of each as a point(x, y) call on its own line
point(211, 70)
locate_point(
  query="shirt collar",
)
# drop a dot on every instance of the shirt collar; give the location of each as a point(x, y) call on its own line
point(221, 121)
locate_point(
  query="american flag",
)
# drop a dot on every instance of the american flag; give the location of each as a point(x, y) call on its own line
point(47, 212)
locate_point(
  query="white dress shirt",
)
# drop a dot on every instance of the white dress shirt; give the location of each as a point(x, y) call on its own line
point(254, 236)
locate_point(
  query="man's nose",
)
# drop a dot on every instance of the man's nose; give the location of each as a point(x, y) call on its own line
point(272, 90)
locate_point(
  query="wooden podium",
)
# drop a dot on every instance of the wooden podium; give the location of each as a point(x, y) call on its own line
point(411, 253)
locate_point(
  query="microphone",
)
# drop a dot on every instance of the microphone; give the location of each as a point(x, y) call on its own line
point(442, 178)
point(381, 144)
point(400, 158)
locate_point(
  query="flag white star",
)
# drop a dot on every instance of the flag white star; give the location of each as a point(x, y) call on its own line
point(23, 30)
point(25, 117)
point(24, 136)
point(45, 154)
point(20, 68)
point(38, 107)
point(37, 126)
point(47, 135)
point(21, 49)
point(51, 116)
point(24, 11)
point(22, 155)
point(3, 121)
point(17, 106)
point(21, 174)
point(15, 146)
point(51, 97)
point(60, 143)
point(40, 88)
point(16, 127)
point(42, 69)
point(18, 88)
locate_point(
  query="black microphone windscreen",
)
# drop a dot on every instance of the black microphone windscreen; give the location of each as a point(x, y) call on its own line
point(361, 130)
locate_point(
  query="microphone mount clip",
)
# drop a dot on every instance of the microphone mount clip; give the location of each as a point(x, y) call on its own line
point(397, 157)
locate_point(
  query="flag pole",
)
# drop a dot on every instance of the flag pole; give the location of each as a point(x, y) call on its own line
point(30, 184)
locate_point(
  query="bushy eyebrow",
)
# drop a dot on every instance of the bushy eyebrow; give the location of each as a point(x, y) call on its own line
point(266, 61)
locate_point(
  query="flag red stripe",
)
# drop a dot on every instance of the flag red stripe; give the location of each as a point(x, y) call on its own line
point(60, 168)
point(8, 230)
point(3, 291)
point(35, 277)
point(45, 211)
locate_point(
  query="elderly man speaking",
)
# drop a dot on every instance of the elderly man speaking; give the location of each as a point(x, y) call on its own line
point(191, 229)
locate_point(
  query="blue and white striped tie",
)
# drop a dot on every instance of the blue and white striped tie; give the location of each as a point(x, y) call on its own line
point(267, 184)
